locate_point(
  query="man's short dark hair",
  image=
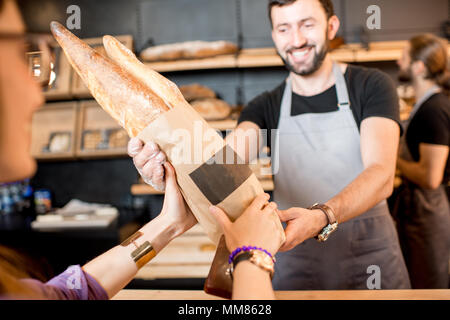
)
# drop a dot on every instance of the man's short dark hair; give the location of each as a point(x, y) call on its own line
point(1, 5)
point(327, 5)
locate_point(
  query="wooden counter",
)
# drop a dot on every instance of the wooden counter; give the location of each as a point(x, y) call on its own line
point(293, 295)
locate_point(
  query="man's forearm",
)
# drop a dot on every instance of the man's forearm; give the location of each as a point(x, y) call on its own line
point(373, 185)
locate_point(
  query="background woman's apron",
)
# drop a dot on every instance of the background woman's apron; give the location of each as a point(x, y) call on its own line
point(423, 224)
point(317, 155)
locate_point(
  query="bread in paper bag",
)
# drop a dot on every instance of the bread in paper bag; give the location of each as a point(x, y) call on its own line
point(151, 107)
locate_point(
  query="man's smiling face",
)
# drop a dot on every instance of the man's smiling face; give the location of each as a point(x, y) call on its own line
point(300, 33)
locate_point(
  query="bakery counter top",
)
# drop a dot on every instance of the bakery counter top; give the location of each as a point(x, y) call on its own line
point(293, 295)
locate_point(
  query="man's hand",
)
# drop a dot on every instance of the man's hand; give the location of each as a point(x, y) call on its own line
point(148, 160)
point(302, 224)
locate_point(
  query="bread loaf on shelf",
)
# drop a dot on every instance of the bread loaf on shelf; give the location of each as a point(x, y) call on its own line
point(196, 91)
point(212, 109)
point(188, 50)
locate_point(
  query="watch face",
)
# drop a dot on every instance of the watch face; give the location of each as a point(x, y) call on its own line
point(262, 260)
point(329, 229)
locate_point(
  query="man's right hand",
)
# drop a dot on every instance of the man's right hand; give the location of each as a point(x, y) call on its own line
point(148, 160)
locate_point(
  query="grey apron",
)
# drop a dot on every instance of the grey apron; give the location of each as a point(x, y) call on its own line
point(423, 224)
point(316, 155)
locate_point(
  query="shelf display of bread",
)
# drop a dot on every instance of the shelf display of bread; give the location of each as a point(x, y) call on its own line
point(53, 131)
point(71, 130)
point(204, 100)
point(188, 50)
point(268, 57)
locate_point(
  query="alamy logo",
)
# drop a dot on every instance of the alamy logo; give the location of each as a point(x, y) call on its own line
point(74, 281)
point(374, 280)
point(74, 20)
point(374, 20)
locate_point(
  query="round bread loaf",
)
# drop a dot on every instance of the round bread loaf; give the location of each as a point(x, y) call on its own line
point(196, 91)
point(212, 109)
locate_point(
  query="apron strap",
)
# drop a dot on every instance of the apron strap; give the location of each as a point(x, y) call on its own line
point(286, 101)
point(341, 87)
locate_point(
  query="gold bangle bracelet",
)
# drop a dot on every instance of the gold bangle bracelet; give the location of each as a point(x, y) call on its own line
point(143, 253)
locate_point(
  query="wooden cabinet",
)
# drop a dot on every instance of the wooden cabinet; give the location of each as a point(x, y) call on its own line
point(54, 131)
point(71, 130)
point(98, 134)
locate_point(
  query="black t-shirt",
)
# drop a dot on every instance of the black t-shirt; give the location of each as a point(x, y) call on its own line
point(372, 93)
point(431, 124)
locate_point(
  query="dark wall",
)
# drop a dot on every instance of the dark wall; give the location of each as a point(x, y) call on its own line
point(164, 21)
point(103, 181)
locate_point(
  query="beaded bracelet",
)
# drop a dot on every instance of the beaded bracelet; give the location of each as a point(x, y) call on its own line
point(247, 248)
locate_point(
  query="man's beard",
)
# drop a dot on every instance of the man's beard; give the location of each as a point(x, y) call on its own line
point(316, 63)
point(405, 76)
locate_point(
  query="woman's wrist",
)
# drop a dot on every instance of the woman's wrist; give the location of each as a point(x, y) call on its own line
point(240, 249)
point(159, 232)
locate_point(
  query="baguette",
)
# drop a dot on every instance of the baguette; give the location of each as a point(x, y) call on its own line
point(188, 50)
point(131, 103)
point(163, 87)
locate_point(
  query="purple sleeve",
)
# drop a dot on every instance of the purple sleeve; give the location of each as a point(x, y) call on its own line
point(72, 284)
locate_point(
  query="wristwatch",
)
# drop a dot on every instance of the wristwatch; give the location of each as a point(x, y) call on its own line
point(332, 222)
point(256, 257)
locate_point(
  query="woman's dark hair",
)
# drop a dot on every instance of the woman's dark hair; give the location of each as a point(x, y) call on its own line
point(432, 51)
point(326, 4)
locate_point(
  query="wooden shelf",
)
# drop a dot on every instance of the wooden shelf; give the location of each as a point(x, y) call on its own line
point(80, 118)
point(219, 62)
point(268, 57)
point(53, 131)
point(258, 57)
point(144, 189)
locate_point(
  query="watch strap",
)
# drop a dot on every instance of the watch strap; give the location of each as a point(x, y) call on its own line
point(326, 210)
point(246, 255)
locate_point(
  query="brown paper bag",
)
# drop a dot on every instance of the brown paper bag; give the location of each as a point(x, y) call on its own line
point(209, 172)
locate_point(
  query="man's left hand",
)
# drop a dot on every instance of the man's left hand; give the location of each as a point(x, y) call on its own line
point(302, 224)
